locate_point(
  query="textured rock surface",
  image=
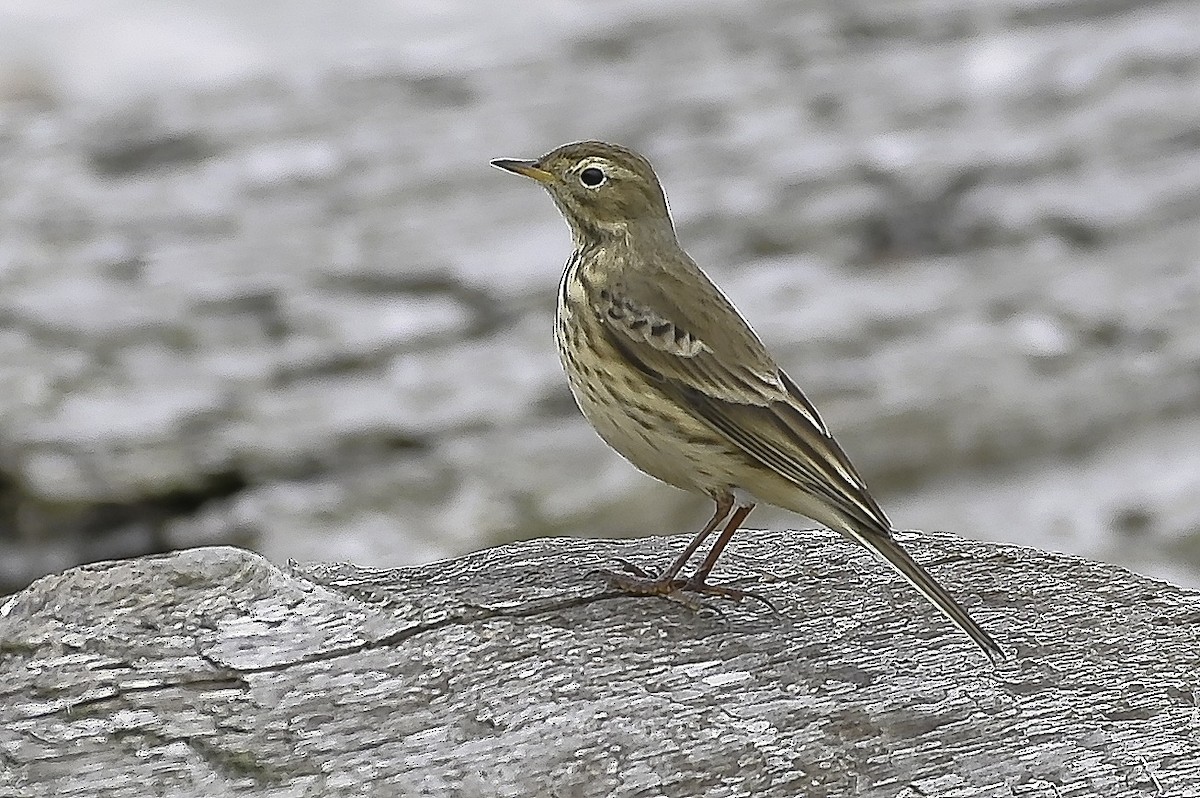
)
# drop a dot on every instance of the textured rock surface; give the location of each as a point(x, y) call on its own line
point(294, 310)
point(510, 672)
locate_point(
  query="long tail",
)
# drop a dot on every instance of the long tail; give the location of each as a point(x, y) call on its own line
point(891, 552)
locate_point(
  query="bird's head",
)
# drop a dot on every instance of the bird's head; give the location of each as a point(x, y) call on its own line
point(602, 189)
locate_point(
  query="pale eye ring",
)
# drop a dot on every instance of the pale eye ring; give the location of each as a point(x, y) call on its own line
point(592, 177)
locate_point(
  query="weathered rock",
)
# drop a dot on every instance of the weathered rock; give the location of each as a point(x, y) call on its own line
point(513, 673)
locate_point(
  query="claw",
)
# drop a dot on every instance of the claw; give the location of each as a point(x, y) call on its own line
point(727, 592)
point(628, 571)
point(632, 568)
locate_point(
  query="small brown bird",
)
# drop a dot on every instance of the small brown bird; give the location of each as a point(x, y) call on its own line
point(674, 379)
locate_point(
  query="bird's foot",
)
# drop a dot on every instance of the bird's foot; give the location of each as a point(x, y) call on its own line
point(637, 582)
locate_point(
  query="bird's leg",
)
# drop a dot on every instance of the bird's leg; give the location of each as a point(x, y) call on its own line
point(710, 559)
point(696, 582)
point(724, 505)
point(642, 583)
point(669, 585)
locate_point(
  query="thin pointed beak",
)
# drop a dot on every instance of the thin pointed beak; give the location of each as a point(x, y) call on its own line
point(528, 169)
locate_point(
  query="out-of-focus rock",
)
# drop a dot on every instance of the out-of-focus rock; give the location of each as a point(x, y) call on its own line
point(296, 310)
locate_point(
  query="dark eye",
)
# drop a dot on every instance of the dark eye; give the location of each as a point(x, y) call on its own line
point(591, 177)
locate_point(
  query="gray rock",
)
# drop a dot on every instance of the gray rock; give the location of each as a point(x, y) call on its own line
point(512, 672)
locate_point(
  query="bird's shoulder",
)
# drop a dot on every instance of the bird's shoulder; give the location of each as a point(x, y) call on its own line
point(666, 315)
point(668, 303)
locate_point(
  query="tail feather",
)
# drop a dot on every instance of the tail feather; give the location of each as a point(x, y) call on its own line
point(894, 555)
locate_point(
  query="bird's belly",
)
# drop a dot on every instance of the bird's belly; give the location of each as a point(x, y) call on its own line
point(643, 425)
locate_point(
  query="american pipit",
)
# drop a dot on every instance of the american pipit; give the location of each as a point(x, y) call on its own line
point(674, 379)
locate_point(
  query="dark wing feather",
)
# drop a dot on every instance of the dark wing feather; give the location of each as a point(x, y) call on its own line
point(730, 381)
point(662, 327)
point(782, 438)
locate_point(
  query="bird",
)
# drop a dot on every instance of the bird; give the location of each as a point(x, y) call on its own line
point(674, 379)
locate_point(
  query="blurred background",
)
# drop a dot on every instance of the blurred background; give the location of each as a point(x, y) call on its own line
point(258, 284)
